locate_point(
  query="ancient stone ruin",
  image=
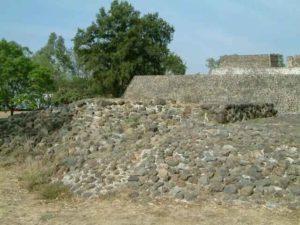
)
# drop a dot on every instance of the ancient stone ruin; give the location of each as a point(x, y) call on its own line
point(265, 64)
point(232, 139)
point(293, 61)
point(163, 149)
point(251, 61)
point(281, 90)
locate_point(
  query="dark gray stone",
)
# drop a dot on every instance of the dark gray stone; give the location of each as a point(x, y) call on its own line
point(190, 196)
point(246, 191)
point(157, 185)
point(185, 175)
point(90, 186)
point(154, 179)
point(295, 189)
point(87, 194)
point(172, 162)
point(141, 171)
point(159, 101)
point(230, 189)
point(133, 178)
point(204, 180)
point(216, 187)
point(179, 195)
point(263, 183)
point(209, 158)
point(254, 172)
point(134, 194)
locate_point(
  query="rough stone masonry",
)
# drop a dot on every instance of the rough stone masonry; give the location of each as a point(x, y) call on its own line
point(281, 90)
point(265, 64)
point(162, 149)
point(192, 138)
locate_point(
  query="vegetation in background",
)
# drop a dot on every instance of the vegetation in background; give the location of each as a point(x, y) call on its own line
point(173, 65)
point(21, 80)
point(121, 44)
point(37, 178)
point(281, 61)
point(70, 81)
point(212, 63)
point(75, 88)
point(56, 57)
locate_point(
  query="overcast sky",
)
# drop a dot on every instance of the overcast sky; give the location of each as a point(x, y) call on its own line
point(203, 28)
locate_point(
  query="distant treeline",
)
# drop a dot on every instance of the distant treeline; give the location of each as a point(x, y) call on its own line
point(118, 45)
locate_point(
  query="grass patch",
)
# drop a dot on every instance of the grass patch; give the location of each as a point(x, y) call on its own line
point(34, 176)
point(37, 178)
point(46, 217)
point(55, 190)
point(132, 121)
point(7, 161)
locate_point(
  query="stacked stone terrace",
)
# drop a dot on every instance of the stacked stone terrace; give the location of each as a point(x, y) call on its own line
point(293, 61)
point(281, 90)
point(162, 149)
point(250, 61)
point(264, 64)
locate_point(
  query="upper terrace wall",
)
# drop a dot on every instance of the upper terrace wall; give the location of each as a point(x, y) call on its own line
point(253, 61)
point(256, 71)
point(293, 61)
point(282, 90)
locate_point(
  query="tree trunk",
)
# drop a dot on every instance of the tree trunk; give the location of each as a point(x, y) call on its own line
point(12, 111)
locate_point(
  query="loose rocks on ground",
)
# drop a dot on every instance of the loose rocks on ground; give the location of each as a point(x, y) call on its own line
point(162, 149)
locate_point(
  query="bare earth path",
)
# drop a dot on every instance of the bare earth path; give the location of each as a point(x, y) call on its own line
point(17, 206)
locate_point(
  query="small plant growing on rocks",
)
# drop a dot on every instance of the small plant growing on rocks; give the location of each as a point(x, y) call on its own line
point(37, 178)
point(132, 121)
point(55, 190)
point(34, 176)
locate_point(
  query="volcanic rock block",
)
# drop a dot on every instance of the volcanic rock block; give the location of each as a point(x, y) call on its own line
point(229, 113)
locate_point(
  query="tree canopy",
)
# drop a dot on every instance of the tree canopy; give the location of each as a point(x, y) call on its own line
point(121, 43)
point(118, 45)
point(212, 63)
point(173, 65)
point(55, 56)
point(20, 79)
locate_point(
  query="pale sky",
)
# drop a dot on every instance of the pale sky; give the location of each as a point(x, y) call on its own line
point(203, 28)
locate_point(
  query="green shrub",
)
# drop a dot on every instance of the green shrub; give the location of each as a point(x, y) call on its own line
point(34, 177)
point(74, 89)
point(7, 161)
point(55, 190)
point(37, 177)
point(132, 121)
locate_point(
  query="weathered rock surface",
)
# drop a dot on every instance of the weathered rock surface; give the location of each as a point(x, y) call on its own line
point(162, 149)
point(226, 113)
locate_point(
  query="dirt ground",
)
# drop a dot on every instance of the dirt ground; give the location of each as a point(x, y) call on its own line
point(6, 114)
point(17, 206)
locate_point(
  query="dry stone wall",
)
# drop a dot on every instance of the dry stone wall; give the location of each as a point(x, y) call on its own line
point(281, 90)
point(229, 113)
point(268, 64)
point(250, 61)
point(256, 71)
point(161, 149)
point(294, 61)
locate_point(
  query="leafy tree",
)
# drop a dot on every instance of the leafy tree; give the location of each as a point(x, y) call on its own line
point(41, 87)
point(121, 43)
point(75, 88)
point(14, 71)
point(212, 63)
point(174, 65)
point(21, 81)
point(55, 56)
point(281, 61)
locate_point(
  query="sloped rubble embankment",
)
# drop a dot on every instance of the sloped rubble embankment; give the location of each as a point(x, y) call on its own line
point(163, 149)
